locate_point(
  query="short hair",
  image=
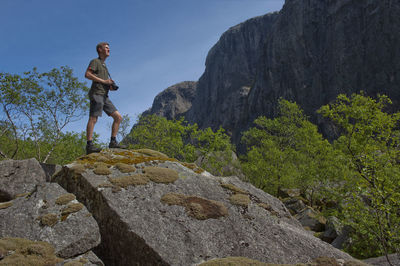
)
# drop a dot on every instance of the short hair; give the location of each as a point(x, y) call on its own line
point(100, 45)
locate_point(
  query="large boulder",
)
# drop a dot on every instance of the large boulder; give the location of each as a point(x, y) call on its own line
point(50, 214)
point(311, 219)
point(154, 210)
point(32, 209)
point(19, 177)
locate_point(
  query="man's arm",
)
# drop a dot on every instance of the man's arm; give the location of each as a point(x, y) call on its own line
point(90, 75)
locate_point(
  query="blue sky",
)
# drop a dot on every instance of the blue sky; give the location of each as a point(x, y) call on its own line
point(154, 43)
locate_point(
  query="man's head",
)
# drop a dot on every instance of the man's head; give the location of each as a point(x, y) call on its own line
point(103, 49)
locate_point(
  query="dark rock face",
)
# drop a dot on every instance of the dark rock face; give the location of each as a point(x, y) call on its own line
point(174, 101)
point(163, 213)
point(319, 49)
point(309, 52)
point(231, 69)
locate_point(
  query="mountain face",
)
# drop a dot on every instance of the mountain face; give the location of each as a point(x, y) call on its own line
point(174, 101)
point(309, 52)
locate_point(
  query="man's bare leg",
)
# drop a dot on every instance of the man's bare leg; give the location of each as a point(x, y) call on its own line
point(90, 148)
point(90, 127)
point(114, 130)
point(115, 125)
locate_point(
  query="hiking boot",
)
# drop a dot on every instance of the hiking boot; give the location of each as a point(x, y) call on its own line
point(114, 144)
point(90, 148)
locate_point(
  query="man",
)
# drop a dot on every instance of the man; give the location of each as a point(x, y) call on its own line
point(101, 84)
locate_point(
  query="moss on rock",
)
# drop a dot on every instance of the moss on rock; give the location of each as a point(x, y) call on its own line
point(231, 261)
point(19, 251)
point(64, 199)
point(152, 153)
point(125, 168)
point(78, 168)
point(101, 168)
point(234, 188)
point(161, 175)
point(197, 207)
point(74, 263)
point(71, 208)
point(49, 219)
point(240, 199)
point(5, 205)
point(193, 167)
point(132, 180)
point(173, 199)
point(322, 261)
point(269, 208)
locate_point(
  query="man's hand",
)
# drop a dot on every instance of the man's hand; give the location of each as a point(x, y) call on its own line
point(108, 82)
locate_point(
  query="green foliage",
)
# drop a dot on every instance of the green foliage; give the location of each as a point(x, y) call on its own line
point(177, 139)
point(370, 140)
point(124, 127)
point(36, 108)
point(289, 152)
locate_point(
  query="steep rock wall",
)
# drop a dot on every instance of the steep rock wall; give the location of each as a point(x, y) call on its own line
point(309, 52)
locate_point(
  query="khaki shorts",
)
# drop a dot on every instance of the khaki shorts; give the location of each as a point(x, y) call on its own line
point(100, 103)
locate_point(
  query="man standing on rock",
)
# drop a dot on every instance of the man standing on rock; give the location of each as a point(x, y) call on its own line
point(102, 83)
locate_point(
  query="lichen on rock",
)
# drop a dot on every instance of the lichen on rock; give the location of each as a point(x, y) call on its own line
point(49, 219)
point(161, 175)
point(125, 168)
point(269, 208)
point(101, 168)
point(5, 205)
point(233, 188)
point(152, 153)
point(78, 168)
point(20, 251)
point(64, 199)
point(240, 199)
point(197, 207)
point(71, 208)
point(132, 180)
point(233, 261)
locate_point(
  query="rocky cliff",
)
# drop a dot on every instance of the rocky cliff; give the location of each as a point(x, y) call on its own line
point(309, 52)
point(174, 101)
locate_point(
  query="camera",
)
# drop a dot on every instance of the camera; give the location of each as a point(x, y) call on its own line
point(114, 86)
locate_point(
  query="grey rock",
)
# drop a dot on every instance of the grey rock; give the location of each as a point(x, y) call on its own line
point(333, 229)
point(87, 259)
point(343, 238)
point(50, 170)
point(19, 177)
point(294, 205)
point(311, 219)
point(174, 101)
point(138, 228)
point(71, 234)
point(382, 261)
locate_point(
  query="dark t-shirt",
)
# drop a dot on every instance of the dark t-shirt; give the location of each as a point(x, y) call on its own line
point(100, 70)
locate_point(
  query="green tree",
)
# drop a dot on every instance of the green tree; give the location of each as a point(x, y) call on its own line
point(176, 138)
point(370, 139)
point(37, 107)
point(288, 152)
